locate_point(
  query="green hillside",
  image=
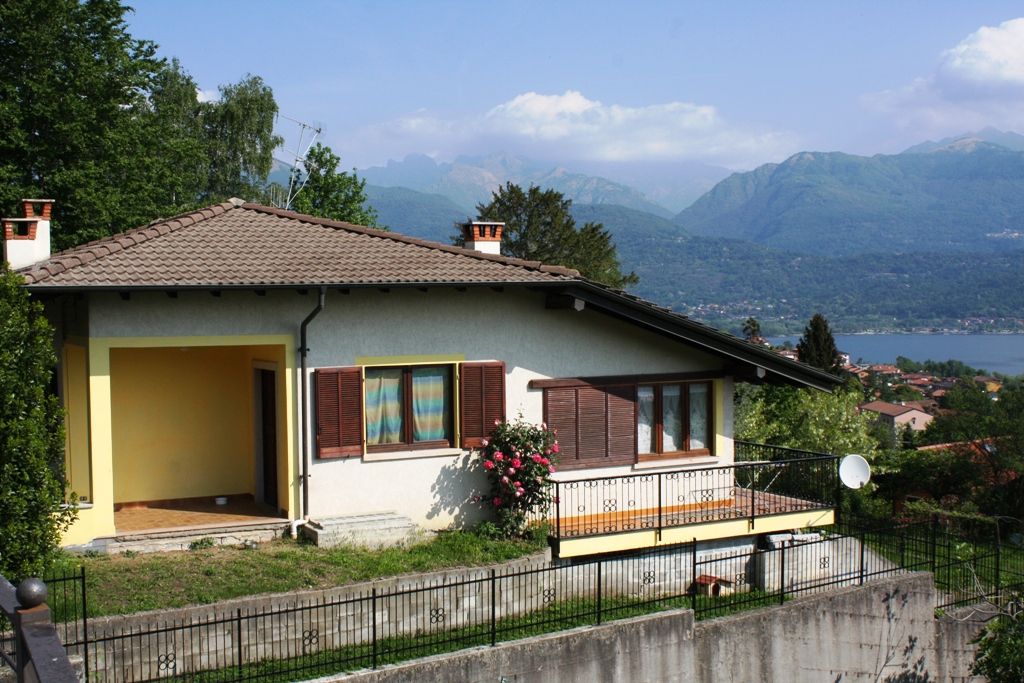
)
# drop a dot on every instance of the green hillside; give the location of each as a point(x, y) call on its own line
point(965, 196)
point(429, 216)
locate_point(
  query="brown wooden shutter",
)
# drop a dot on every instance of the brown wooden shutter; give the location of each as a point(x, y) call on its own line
point(621, 424)
point(560, 414)
point(592, 421)
point(481, 400)
point(339, 412)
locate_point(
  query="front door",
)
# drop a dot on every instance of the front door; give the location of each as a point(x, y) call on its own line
point(267, 425)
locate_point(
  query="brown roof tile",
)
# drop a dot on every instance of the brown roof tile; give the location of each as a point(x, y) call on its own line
point(239, 245)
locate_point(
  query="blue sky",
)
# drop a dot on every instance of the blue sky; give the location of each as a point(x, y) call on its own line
point(734, 84)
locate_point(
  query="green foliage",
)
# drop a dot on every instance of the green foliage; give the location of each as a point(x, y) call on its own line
point(947, 368)
point(31, 437)
point(201, 543)
point(517, 459)
point(1000, 655)
point(91, 117)
point(751, 329)
point(329, 194)
point(539, 226)
point(817, 346)
point(804, 418)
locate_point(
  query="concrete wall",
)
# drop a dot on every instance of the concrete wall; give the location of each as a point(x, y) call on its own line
point(431, 488)
point(883, 631)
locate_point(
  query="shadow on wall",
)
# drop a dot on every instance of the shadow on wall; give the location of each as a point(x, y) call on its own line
point(455, 491)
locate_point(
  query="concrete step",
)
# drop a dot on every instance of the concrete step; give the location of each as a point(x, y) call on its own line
point(183, 539)
point(371, 530)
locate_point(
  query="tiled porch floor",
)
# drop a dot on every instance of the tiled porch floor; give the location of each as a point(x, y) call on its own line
point(192, 515)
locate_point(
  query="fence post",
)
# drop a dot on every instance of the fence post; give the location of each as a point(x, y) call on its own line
point(85, 624)
point(558, 512)
point(373, 628)
point(659, 507)
point(862, 557)
point(238, 640)
point(599, 563)
point(494, 609)
point(782, 573)
point(935, 540)
point(693, 577)
point(999, 543)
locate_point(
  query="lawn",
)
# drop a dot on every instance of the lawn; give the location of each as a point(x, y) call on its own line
point(122, 584)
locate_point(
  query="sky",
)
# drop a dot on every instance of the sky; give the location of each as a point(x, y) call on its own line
point(733, 84)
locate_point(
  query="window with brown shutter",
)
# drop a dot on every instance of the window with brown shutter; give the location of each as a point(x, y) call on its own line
point(481, 400)
point(600, 426)
point(339, 412)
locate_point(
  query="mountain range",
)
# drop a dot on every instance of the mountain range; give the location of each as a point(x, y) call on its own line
point(927, 237)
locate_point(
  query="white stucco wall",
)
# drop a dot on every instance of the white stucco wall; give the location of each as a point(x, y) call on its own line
point(478, 324)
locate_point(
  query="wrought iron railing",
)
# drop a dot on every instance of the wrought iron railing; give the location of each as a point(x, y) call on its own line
point(768, 485)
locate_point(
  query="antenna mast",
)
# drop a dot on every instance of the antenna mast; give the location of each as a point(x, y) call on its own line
point(300, 158)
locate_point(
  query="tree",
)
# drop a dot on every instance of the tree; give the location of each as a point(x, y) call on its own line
point(539, 227)
point(751, 329)
point(91, 117)
point(330, 194)
point(31, 436)
point(1000, 654)
point(817, 346)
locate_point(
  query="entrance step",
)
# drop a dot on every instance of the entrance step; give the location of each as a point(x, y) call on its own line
point(373, 530)
point(187, 539)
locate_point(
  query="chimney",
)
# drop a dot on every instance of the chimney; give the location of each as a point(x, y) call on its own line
point(27, 240)
point(483, 236)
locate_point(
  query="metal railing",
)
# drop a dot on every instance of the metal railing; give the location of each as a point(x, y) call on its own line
point(29, 644)
point(768, 485)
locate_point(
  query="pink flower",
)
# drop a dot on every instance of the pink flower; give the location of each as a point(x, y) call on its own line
point(485, 441)
point(497, 502)
point(519, 493)
point(518, 484)
point(554, 447)
point(551, 469)
point(536, 458)
point(516, 462)
point(510, 471)
point(497, 422)
point(488, 465)
point(545, 461)
point(499, 456)
point(544, 425)
point(505, 480)
point(547, 451)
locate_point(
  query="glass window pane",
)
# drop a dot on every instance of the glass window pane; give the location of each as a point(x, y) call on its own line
point(700, 399)
point(431, 404)
point(383, 405)
point(645, 419)
point(671, 418)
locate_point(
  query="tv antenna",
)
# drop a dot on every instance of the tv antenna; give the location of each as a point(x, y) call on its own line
point(300, 158)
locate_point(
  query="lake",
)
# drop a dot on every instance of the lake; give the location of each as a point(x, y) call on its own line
point(992, 352)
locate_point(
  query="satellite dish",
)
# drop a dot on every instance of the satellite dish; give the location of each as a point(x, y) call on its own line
point(854, 471)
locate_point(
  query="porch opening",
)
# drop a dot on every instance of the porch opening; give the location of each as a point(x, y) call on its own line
point(196, 436)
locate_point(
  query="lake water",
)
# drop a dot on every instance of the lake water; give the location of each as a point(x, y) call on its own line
point(993, 352)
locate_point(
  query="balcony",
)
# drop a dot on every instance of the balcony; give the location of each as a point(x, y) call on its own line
point(768, 489)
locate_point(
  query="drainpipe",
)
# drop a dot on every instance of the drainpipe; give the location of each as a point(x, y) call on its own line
point(303, 351)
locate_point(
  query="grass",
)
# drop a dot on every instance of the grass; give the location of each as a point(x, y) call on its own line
point(119, 584)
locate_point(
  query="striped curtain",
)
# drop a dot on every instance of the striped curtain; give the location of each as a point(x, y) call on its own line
point(383, 405)
point(431, 406)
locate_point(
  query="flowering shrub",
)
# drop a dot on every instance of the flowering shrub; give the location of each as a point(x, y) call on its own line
point(517, 459)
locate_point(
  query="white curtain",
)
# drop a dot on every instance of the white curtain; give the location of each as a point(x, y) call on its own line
point(698, 416)
point(671, 418)
point(645, 419)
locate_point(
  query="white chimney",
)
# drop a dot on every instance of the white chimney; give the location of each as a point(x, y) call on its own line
point(27, 240)
point(483, 236)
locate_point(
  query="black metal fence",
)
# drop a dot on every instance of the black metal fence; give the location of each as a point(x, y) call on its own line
point(376, 627)
point(29, 645)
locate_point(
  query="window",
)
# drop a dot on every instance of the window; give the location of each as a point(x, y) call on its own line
point(404, 408)
point(672, 418)
point(408, 406)
point(600, 426)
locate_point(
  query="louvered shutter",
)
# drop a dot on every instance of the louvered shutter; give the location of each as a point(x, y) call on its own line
point(339, 412)
point(621, 424)
point(560, 414)
point(481, 400)
point(592, 421)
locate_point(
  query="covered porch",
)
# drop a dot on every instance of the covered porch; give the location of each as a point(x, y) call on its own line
point(184, 435)
point(768, 489)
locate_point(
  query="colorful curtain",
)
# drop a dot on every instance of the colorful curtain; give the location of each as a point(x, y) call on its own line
point(698, 416)
point(383, 390)
point(431, 409)
point(645, 419)
point(671, 419)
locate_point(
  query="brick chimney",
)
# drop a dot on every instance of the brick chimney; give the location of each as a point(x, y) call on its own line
point(483, 236)
point(27, 240)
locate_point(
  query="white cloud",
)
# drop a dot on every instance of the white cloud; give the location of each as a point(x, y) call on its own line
point(572, 127)
point(978, 82)
point(207, 95)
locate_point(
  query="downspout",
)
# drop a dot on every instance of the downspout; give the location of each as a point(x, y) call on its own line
point(303, 351)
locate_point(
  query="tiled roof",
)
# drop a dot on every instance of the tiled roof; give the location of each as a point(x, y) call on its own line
point(247, 245)
point(886, 408)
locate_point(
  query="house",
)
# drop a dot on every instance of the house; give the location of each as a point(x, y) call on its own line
point(898, 416)
point(252, 364)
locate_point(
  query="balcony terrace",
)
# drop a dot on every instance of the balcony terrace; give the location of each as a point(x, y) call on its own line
point(767, 489)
